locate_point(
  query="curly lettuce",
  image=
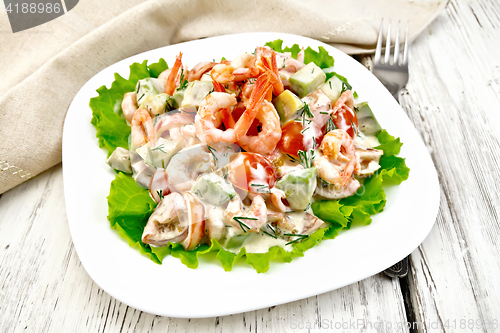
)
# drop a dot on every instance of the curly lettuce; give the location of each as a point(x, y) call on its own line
point(130, 206)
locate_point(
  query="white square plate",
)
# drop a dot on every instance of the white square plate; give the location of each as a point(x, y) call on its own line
point(172, 289)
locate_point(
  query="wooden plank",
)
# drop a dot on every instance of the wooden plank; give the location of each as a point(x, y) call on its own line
point(453, 98)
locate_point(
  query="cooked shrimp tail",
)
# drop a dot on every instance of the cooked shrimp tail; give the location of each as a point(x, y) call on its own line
point(142, 128)
point(171, 85)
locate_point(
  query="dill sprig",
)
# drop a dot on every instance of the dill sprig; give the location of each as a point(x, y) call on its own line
point(160, 148)
point(306, 158)
point(273, 235)
point(330, 125)
point(299, 238)
point(211, 150)
point(293, 158)
point(261, 188)
point(183, 81)
point(306, 112)
point(345, 86)
point(160, 194)
point(242, 224)
point(355, 128)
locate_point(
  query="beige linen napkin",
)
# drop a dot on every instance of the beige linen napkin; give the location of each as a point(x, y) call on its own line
point(44, 67)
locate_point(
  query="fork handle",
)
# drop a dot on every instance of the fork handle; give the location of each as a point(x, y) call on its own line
point(399, 269)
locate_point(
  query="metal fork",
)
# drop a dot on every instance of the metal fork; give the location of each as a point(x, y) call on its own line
point(393, 73)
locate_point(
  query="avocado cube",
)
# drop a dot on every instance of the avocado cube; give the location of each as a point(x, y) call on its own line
point(332, 88)
point(195, 93)
point(213, 189)
point(159, 155)
point(287, 104)
point(299, 186)
point(307, 79)
point(156, 104)
point(178, 97)
point(148, 87)
point(367, 123)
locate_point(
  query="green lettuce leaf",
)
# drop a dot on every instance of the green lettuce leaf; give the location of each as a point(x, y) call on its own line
point(321, 57)
point(130, 206)
point(112, 129)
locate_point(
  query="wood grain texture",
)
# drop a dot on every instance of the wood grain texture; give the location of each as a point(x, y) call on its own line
point(44, 288)
point(452, 99)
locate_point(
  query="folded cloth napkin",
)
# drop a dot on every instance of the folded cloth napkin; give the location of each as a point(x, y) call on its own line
point(43, 68)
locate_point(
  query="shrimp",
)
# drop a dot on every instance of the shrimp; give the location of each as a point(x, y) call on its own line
point(142, 128)
point(346, 100)
point(277, 198)
point(129, 105)
point(167, 122)
point(241, 68)
point(248, 220)
point(320, 106)
point(194, 216)
point(208, 118)
point(266, 62)
point(185, 167)
point(201, 68)
point(171, 80)
point(368, 160)
point(163, 225)
point(266, 140)
point(337, 161)
point(288, 65)
point(308, 224)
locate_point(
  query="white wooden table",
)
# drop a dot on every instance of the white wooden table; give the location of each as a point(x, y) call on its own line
point(453, 99)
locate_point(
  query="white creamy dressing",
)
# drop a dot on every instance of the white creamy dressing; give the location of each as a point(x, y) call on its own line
point(296, 221)
point(261, 243)
point(366, 141)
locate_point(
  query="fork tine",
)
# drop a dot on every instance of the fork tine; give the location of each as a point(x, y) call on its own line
point(396, 46)
point(407, 42)
point(388, 44)
point(378, 50)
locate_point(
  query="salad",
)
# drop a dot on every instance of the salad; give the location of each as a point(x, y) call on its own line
point(262, 156)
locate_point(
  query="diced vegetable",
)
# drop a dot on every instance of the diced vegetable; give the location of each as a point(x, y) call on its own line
point(120, 160)
point(213, 189)
point(307, 79)
point(159, 155)
point(299, 186)
point(367, 123)
point(195, 93)
point(178, 97)
point(157, 104)
point(148, 87)
point(287, 104)
point(332, 88)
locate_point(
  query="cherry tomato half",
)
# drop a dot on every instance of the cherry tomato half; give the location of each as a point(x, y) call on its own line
point(295, 137)
point(238, 111)
point(252, 172)
point(344, 119)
